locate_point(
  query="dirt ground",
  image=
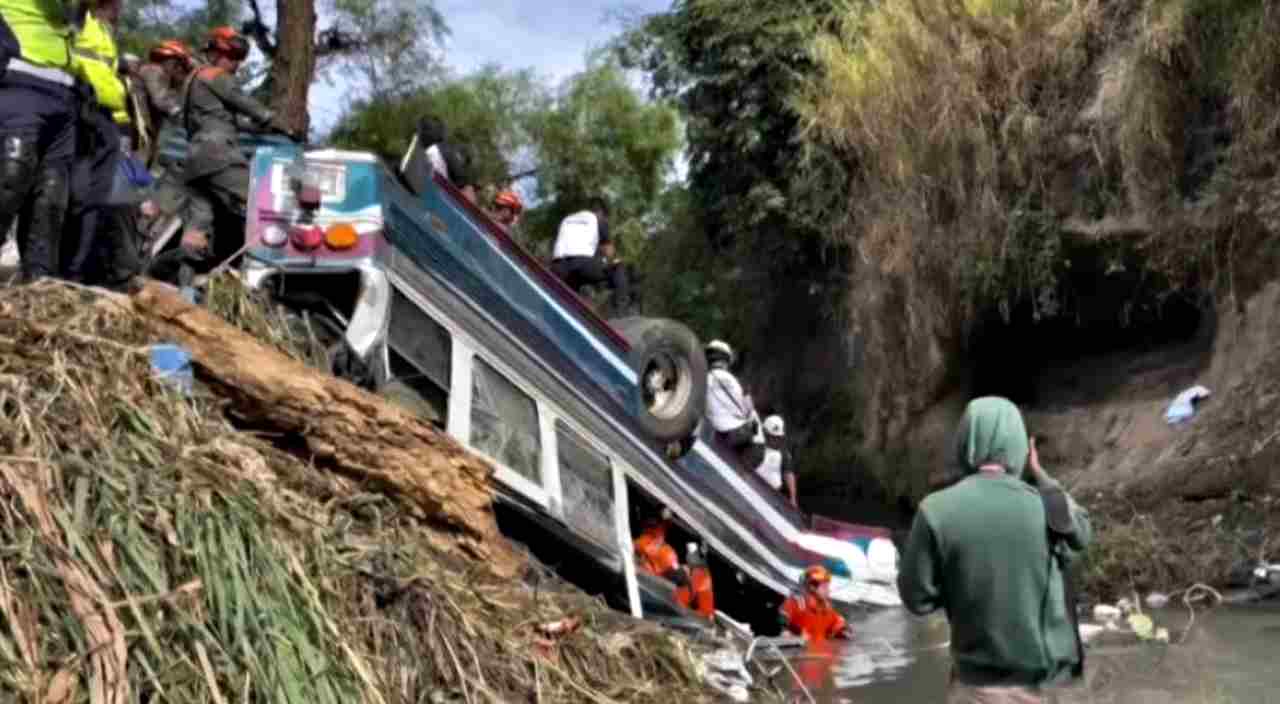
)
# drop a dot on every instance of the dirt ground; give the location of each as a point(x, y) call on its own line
point(1173, 505)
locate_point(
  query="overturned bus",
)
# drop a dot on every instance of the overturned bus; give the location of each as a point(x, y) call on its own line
point(426, 300)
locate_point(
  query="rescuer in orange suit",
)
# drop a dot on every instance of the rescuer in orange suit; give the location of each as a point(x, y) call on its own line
point(809, 612)
point(698, 594)
point(654, 555)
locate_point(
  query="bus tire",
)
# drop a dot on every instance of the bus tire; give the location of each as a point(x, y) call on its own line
point(672, 376)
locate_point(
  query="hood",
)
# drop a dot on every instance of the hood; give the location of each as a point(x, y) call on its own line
point(991, 431)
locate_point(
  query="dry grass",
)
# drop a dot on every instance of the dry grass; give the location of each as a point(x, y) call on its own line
point(976, 129)
point(151, 552)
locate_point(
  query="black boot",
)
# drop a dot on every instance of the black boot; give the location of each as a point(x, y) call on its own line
point(40, 242)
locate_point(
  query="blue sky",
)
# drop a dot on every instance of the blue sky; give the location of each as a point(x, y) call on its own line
point(552, 37)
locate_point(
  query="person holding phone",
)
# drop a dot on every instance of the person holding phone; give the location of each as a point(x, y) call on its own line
point(986, 551)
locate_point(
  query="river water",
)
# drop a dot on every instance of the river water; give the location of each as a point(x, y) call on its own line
point(1228, 656)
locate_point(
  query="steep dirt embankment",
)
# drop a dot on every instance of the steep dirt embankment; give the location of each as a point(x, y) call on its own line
point(1073, 205)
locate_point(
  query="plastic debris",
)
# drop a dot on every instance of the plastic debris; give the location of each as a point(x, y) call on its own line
point(172, 364)
point(726, 672)
point(1156, 600)
point(1105, 612)
point(1142, 626)
point(1184, 405)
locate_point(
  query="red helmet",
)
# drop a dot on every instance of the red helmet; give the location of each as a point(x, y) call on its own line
point(170, 49)
point(509, 199)
point(228, 42)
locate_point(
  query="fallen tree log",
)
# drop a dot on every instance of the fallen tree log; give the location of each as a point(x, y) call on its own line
point(344, 427)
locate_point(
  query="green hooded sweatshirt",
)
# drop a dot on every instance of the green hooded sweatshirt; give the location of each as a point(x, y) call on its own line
point(980, 551)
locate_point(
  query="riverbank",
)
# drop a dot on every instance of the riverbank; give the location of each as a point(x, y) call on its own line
point(155, 550)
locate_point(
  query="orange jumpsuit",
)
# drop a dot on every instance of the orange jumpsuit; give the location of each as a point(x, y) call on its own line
point(698, 595)
point(812, 616)
point(653, 555)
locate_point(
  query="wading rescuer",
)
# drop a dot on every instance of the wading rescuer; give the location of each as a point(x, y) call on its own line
point(217, 172)
point(38, 106)
point(809, 612)
point(584, 254)
point(990, 551)
point(654, 555)
point(698, 594)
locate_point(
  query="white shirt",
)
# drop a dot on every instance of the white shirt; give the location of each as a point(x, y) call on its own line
point(579, 236)
point(436, 158)
point(770, 469)
point(727, 407)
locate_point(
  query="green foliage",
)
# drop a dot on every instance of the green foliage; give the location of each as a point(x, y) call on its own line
point(733, 68)
point(148, 22)
point(594, 135)
point(400, 45)
point(679, 269)
point(488, 115)
point(598, 137)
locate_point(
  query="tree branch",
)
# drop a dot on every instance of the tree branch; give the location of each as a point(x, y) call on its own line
point(260, 32)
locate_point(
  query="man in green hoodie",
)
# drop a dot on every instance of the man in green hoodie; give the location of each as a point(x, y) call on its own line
point(981, 551)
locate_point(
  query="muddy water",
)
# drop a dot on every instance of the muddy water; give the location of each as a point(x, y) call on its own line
point(1229, 655)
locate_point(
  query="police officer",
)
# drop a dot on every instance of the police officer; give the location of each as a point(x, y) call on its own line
point(217, 172)
point(100, 148)
point(37, 125)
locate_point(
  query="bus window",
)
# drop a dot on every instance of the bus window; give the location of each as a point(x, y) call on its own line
point(586, 487)
point(412, 390)
point(421, 341)
point(420, 357)
point(504, 422)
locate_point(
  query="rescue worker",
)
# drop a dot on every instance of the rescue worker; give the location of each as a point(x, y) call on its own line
point(584, 254)
point(38, 106)
point(729, 410)
point(698, 594)
point(161, 78)
point(507, 208)
point(991, 551)
point(775, 465)
point(654, 555)
point(102, 145)
point(441, 155)
point(809, 612)
point(216, 170)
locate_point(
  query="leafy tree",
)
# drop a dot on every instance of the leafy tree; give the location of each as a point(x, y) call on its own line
point(763, 190)
point(601, 137)
point(487, 112)
point(401, 44)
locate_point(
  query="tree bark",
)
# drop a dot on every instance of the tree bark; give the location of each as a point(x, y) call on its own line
point(346, 428)
point(295, 61)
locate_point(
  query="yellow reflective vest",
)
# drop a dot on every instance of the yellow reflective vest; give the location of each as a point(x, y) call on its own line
point(43, 34)
point(95, 59)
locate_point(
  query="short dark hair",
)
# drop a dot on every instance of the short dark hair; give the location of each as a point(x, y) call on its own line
point(431, 130)
point(598, 205)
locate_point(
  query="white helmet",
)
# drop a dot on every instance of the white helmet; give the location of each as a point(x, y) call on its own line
point(773, 425)
point(721, 347)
